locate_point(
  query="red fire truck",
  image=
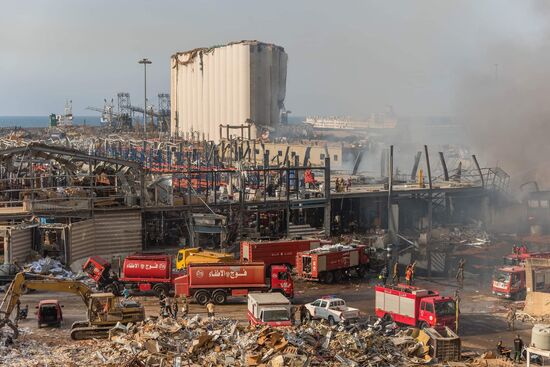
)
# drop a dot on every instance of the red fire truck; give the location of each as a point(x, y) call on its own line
point(216, 282)
point(140, 272)
point(276, 252)
point(333, 263)
point(509, 280)
point(520, 257)
point(414, 306)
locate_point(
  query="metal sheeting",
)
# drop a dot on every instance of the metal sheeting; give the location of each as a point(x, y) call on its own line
point(20, 244)
point(406, 306)
point(107, 234)
point(227, 85)
point(354, 258)
point(118, 232)
point(321, 263)
point(82, 239)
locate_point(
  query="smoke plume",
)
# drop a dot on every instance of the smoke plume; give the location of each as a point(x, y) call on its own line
point(505, 108)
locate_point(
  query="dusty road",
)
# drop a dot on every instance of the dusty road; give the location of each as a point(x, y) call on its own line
point(482, 321)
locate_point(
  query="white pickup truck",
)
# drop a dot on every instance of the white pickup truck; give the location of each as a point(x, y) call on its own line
point(332, 309)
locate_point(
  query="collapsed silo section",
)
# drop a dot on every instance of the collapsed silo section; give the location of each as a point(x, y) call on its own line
point(216, 90)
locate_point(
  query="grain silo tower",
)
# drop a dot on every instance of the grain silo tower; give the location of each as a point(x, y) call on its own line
point(238, 84)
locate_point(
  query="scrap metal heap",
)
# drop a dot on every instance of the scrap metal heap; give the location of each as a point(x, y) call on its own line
point(197, 341)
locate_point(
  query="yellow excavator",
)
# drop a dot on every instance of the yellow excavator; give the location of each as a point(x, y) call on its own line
point(104, 310)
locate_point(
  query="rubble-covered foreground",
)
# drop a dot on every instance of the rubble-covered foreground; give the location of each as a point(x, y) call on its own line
point(224, 342)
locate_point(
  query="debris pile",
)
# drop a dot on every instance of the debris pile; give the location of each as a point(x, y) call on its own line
point(198, 341)
point(459, 236)
point(49, 266)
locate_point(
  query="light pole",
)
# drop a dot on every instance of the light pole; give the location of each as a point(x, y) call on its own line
point(145, 62)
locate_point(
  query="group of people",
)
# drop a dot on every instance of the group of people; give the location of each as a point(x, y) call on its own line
point(507, 352)
point(342, 184)
point(169, 307)
point(519, 250)
point(409, 273)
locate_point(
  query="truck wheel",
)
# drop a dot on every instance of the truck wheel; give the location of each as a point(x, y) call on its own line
point(423, 325)
point(160, 290)
point(329, 277)
point(202, 297)
point(331, 321)
point(112, 288)
point(387, 318)
point(338, 276)
point(219, 297)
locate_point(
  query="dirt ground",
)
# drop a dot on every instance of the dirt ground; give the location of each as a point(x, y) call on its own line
point(482, 321)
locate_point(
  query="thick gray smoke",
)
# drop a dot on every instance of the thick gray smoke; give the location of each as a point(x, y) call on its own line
point(506, 109)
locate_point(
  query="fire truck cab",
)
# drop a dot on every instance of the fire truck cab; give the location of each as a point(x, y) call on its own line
point(509, 282)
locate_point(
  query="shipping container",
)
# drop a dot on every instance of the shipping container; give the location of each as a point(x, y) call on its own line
point(276, 252)
point(216, 282)
point(333, 263)
point(232, 84)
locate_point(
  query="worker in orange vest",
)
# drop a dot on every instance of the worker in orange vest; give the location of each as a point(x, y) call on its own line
point(409, 274)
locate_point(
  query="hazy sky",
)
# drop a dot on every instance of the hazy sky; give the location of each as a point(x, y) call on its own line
point(345, 57)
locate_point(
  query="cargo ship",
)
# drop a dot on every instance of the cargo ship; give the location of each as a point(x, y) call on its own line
point(375, 121)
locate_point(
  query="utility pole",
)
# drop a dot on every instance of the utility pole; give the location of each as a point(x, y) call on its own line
point(145, 62)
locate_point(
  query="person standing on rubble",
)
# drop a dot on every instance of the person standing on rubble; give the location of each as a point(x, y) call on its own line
point(175, 308)
point(460, 273)
point(163, 304)
point(511, 318)
point(184, 306)
point(210, 309)
point(303, 314)
point(518, 348)
point(395, 275)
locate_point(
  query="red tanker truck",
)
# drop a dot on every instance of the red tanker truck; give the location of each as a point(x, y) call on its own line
point(140, 272)
point(276, 252)
point(217, 281)
point(329, 264)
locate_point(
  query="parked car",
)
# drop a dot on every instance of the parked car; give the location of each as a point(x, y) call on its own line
point(332, 309)
point(49, 313)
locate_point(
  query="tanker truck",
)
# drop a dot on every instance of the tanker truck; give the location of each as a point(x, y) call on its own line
point(140, 273)
point(216, 282)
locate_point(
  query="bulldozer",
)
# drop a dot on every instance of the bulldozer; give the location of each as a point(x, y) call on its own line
point(104, 310)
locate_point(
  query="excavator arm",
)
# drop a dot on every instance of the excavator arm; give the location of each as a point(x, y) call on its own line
point(37, 282)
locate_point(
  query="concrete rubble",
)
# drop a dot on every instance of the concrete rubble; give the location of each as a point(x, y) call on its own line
point(196, 341)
